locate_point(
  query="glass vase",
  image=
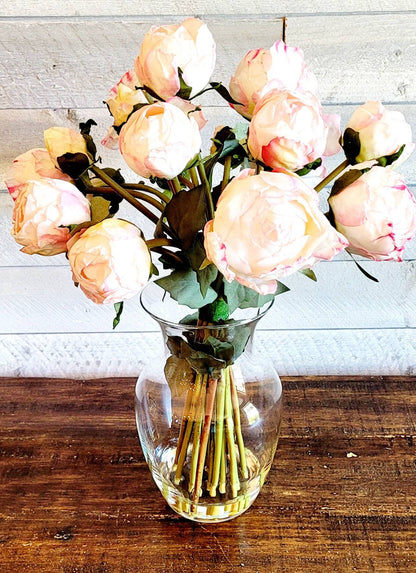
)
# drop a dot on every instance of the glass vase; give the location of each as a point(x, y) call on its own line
point(208, 411)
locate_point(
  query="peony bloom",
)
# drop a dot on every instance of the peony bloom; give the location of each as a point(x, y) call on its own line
point(124, 96)
point(159, 140)
point(34, 164)
point(376, 213)
point(61, 140)
point(110, 261)
point(280, 67)
point(268, 226)
point(42, 213)
point(188, 47)
point(288, 130)
point(381, 133)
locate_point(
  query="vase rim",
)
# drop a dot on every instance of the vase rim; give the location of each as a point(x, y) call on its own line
point(254, 313)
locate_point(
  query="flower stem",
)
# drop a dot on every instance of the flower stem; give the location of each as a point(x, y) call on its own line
point(154, 243)
point(123, 193)
point(229, 427)
point(186, 182)
point(176, 184)
point(219, 435)
point(237, 423)
point(207, 190)
point(209, 405)
point(332, 175)
point(227, 172)
point(148, 189)
point(194, 176)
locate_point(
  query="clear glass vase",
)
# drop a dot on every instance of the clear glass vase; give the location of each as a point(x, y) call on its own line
point(208, 425)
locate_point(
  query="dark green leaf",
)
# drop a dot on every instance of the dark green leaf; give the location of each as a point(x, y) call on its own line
point(309, 273)
point(240, 339)
point(184, 90)
point(240, 296)
point(222, 350)
point(118, 307)
point(344, 181)
point(310, 167)
point(389, 159)
point(365, 273)
point(223, 92)
point(100, 209)
point(183, 287)
point(196, 255)
point(186, 214)
point(204, 363)
point(85, 129)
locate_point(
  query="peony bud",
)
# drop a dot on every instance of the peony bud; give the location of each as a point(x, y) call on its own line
point(188, 47)
point(34, 164)
point(376, 213)
point(124, 96)
point(159, 140)
point(268, 226)
point(281, 67)
point(110, 261)
point(61, 140)
point(42, 213)
point(374, 132)
point(287, 130)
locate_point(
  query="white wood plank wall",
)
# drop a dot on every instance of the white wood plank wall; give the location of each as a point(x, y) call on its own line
point(57, 62)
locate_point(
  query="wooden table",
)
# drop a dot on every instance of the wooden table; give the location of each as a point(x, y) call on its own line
point(76, 494)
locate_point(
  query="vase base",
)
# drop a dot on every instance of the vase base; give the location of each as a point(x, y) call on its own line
point(207, 509)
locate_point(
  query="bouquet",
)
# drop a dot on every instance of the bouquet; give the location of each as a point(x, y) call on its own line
point(229, 226)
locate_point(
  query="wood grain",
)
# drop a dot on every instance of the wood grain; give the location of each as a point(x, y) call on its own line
point(76, 494)
point(161, 9)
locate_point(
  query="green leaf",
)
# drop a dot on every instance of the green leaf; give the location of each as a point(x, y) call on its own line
point(183, 286)
point(365, 273)
point(100, 209)
point(240, 339)
point(240, 296)
point(309, 273)
point(223, 92)
point(203, 362)
point(186, 214)
point(208, 273)
point(344, 181)
point(85, 129)
point(184, 90)
point(309, 167)
point(389, 159)
point(179, 375)
point(240, 131)
point(118, 307)
point(222, 349)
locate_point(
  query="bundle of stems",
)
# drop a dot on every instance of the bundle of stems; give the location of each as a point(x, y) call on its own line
point(210, 444)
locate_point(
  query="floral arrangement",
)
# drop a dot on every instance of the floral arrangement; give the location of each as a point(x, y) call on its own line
point(228, 226)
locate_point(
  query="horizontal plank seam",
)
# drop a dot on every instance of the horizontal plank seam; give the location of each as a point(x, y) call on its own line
point(145, 332)
point(206, 17)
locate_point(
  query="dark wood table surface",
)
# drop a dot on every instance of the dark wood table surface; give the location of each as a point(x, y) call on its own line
point(76, 494)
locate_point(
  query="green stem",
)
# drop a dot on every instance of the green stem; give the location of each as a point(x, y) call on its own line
point(194, 176)
point(135, 194)
point(176, 184)
point(219, 435)
point(166, 253)
point(185, 418)
point(229, 427)
point(185, 182)
point(123, 193)
point(209, 405)
point(227, 172)
point(237, 422)
point(148, 189)
point(196, 445)
point(207, 190)
point(332, 175)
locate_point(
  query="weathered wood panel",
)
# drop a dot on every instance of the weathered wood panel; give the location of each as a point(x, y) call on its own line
point(71, 64)
point(293, 352)
point(23, 129)
point(160, 9)
point(341, 298)
point(77, 495)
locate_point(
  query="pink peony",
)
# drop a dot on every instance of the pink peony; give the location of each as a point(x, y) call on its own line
point(159, 140)
point(165, 50)
point(288, 130)
point(34, 164)
point(381, 133)
point(42, 213)
point(280, 67)
point(376, 213)
point(110, 261)
point(268, 226)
